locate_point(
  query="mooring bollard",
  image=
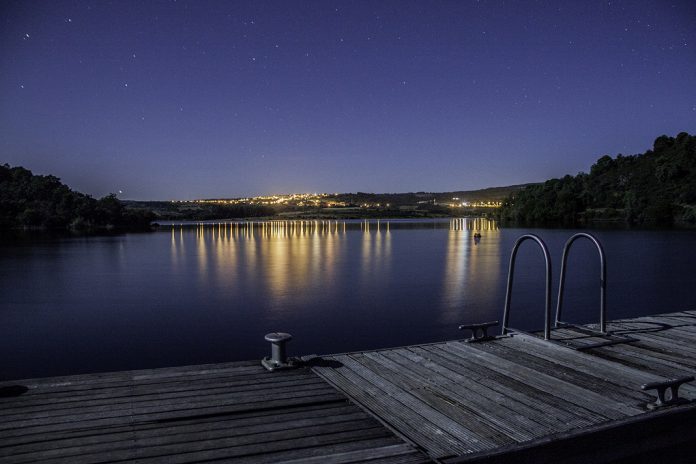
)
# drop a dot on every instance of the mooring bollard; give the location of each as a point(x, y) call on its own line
point(278, 359)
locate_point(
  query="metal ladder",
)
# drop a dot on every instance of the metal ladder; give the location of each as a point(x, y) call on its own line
point(547, 310)
point(511, 272)
point(602, 280)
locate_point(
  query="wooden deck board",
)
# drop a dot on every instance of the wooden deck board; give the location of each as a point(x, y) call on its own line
point(507, 393)
point(408, 423)
point(518, 392)
point(562, 389)
point(511, 396)
point(173, 435)
point(236, 412)
point(337, 411)
point(482, 432)
point(665, 344)
point(218, 396)
point(446, 401)
point(471, 397)
point(415, 411)
point(616, 390)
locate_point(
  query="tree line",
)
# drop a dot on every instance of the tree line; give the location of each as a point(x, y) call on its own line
point(183, 211)
point(657, 187)
point(43, 202)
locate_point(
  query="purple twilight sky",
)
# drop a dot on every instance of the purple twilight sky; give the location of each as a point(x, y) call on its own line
point(199, 99)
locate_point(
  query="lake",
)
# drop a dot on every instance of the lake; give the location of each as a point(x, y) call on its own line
point(201, 293)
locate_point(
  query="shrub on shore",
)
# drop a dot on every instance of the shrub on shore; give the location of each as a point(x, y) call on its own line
point(29, 201)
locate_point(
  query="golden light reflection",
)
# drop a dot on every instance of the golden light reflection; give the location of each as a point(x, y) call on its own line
point(474, 224)
point(225, 260)
point(471, 269)
point(202, 251)
point(249, 245)
point(293, 261)
point(298, 255)
point(287, 257)
point(178, 247)
point(456, 263)
point(375, 250)
point(173, 241)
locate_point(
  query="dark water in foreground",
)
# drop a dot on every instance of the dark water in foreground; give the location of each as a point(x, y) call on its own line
point(199, 294)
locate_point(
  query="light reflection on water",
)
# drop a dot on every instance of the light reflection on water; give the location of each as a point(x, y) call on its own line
point(471, 269)
point(288, 259)
point(197, 293)
point(293, 264)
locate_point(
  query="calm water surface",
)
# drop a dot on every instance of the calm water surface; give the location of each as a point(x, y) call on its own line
point(191, 294)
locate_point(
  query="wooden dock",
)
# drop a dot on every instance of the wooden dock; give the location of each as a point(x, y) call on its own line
point(236, 412)
point(663, 344)
point(574, 399)
point(524, 396)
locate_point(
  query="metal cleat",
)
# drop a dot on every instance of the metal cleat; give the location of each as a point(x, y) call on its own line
point(479, 332)
point(661, 387)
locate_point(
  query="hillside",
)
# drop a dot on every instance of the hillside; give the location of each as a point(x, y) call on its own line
point(338, 205)
point(657, 187)
point(43, 202)
point(492, 194)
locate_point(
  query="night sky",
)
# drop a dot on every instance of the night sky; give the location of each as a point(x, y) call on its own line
point(200, 99)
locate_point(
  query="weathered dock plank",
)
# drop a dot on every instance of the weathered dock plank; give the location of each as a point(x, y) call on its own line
point(507, 393)
point(667, 436)
point(515, 397)
point(512, 395)
point(663, 344)
point(235, 412)
point(543, 404)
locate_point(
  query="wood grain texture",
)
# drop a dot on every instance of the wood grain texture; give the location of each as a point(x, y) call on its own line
point(517, 393)
point(235, 412)
point(512, 397)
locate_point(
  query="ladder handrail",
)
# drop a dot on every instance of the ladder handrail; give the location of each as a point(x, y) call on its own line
point(508, 296)
point(602, 279)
